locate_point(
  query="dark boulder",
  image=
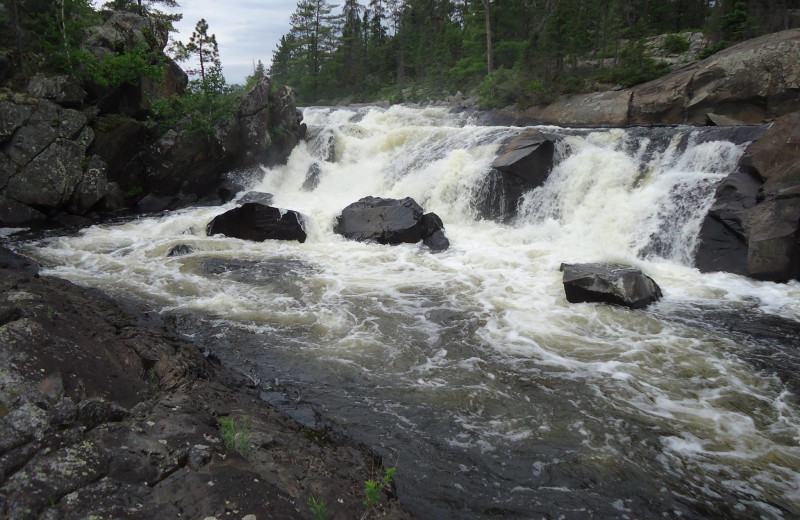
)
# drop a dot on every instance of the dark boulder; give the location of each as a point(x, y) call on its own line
point(616, 284)
point(523, 164)
point(528, 157)
point(386, 221)
point(753, 228)
point(257, 222)
point(156, 203)
point(312, 177)
point(773, 251)
point(723, 237)
point(775, 157)
point(433, 233)
point(390, 221)
point(437, 241)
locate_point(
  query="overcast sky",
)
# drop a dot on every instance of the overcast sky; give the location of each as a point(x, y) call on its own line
point(247, 30)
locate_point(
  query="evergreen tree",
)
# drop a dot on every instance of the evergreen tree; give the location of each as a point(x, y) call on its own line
point(314, 31)
point(203, 48)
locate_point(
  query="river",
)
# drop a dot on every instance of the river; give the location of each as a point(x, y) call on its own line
point(468, 370)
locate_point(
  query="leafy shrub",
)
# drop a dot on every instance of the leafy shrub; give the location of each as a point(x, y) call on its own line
point(676, 44)
point(116, 69)
point(236, 436)
point(199, 109)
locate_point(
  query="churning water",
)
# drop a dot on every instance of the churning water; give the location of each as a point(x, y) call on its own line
point(468, 370)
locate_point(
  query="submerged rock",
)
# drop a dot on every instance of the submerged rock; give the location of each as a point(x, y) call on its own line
point(181, 250)
point(390, 221)
point(616, 284)
point(257, 222)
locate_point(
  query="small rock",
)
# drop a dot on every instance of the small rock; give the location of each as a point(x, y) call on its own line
point(181, 250)
point(94, 411)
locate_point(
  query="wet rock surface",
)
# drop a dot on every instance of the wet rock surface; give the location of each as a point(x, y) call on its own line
point(753, 228)
point(616, 284)
point(391, 221)
point(107, 414)
point(258, 222)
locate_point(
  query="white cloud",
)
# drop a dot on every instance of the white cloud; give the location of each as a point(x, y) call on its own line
point(247, 31)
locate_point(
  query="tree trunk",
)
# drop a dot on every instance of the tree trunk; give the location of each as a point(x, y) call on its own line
point(63, 27)
point(487, 14)
point(18, 57)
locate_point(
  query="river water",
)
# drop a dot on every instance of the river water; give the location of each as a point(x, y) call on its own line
point(468, 370)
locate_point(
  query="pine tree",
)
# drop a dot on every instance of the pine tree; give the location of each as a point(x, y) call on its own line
point(314, 31)
point(205, 50)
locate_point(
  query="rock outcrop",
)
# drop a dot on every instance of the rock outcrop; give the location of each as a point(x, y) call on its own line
point(85, 149)
point(125, 422)
point(616, 284)
point(264, 131)
point(44, 162)
point(391, 221)
point(257, 222)
point(753, 227)
point(753, 81)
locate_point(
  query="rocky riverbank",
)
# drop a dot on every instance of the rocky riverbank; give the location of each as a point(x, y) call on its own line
point(106, 412)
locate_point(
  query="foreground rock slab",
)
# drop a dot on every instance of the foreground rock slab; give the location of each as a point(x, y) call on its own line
point(616, 284)
point(257, 222)
point(107, 415)
point(391, 221)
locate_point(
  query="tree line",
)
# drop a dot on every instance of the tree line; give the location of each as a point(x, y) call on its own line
point(509, 50)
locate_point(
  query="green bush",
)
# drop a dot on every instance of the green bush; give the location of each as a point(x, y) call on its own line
point(236, 436)
point(676, 44)
point(201, 109)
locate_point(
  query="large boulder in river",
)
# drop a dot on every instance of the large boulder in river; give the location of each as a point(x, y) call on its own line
point(391, 221)
point(616, 284)
point(528, 156)
point(753, 228)
point(523, 163)
point(257, 222)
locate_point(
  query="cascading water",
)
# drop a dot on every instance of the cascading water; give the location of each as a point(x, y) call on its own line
point(468, 369)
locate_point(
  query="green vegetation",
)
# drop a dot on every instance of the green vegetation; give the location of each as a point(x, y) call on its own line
point(676, 44)
point(318, 508)
point(506, 51)
point(236, 436)
point(373, 489)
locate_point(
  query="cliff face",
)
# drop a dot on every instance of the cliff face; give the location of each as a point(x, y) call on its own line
point(71, 148)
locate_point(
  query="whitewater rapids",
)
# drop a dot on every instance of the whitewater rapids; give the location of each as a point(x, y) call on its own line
point(468, 370)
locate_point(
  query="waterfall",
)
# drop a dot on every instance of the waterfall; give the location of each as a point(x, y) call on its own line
point(468, 370)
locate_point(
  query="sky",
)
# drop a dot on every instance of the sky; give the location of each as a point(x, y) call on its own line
point(247, 30)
